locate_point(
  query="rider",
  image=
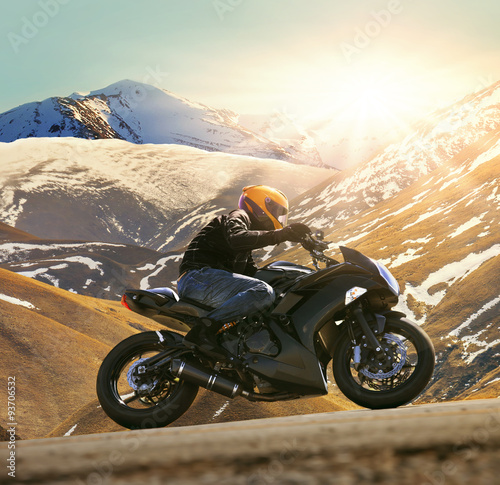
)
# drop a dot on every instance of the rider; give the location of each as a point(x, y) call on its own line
point(217, 268)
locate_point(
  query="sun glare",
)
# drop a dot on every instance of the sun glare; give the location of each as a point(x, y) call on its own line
point(374, 99)
point(377, 97)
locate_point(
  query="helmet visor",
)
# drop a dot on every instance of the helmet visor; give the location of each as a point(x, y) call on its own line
point(278, 212)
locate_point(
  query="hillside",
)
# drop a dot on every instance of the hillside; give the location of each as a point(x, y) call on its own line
point(9, 233)
point(142, 113)
point(440, 238)
point(102, 270)
point(53, 342)
point(432, 142)
point(113, 191)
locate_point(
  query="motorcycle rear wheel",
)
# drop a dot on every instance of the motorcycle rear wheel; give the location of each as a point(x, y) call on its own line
point(402, 339)
point(166, 399)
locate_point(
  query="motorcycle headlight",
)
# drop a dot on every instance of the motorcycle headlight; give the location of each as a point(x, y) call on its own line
point(386, 274)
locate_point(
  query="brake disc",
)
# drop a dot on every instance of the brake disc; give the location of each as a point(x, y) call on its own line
point(137, 382)
point(400, 351)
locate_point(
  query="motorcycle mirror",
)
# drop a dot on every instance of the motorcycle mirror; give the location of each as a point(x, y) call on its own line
point(319, 234)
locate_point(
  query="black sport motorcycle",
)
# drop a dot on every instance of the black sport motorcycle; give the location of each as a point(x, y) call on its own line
point(340, 313)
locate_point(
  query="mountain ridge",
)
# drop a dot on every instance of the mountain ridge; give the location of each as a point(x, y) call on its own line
point(115, 191)
point(434, 141)
point(141, 113)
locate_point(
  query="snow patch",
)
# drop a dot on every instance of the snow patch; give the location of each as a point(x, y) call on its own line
point(94, 265)
point(352, 239)
point(70, 432)
point(468, 357)
point(160, 264)
point(449, 274)
point(458, 270)
point(21, 249)
point(493, 152)
point(487, 306)
point(221, 410)
point(42, 273)
point(17, 301)
point(407, 256)
point(423, 217)
point(467, 225)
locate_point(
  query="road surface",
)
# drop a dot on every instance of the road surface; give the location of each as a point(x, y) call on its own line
point(430, 444)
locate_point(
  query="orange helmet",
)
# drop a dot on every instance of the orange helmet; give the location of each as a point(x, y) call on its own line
point(268, 206)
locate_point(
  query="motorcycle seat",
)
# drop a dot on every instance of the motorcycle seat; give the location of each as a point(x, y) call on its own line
point(188, 306)
point(166, 292)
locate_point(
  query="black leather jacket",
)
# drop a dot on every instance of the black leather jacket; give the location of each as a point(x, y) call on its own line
point(227, 243)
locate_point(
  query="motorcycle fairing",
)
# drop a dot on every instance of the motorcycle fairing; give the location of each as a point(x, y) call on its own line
point(319, 296)
point(321, 306)
point(296, 369)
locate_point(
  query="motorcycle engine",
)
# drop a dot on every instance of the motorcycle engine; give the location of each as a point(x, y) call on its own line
point(250, 338)
point(260, 341)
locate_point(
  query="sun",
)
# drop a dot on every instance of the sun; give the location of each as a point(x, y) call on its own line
point(374, 98)
point(380, 97)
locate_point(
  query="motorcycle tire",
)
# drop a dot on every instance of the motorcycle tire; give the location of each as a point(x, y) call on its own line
point(379, 394)
point(173, 397)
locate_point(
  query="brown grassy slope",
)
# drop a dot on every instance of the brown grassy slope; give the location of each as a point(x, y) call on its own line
point(55, 349)
point(9, 233)
point(207, 408)
point(456, 376)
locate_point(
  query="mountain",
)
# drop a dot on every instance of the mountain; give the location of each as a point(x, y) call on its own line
point(433, 142)
point(331, 141)
point(440, 238)
point(141, 113)
point(102, 270)
point(287, 132)
point(114, 191)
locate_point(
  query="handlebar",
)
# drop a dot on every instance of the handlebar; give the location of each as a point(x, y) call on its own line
point(316, 246)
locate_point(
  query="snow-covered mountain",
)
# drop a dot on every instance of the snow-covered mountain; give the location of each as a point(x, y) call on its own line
point(141, 113)
point(434, 141)
point(287, 132)
point(114, 191)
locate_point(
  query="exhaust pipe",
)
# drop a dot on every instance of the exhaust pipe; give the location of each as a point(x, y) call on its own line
point(196, 374)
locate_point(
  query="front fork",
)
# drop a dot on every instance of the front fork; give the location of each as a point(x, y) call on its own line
point(369, 335)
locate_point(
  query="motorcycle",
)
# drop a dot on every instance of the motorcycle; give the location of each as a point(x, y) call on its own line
point(341, 313)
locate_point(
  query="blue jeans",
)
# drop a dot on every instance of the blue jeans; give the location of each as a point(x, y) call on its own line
point(232, 295)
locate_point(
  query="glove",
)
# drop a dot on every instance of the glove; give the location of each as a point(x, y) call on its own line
point(294, 232)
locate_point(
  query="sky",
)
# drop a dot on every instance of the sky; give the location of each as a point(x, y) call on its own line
point(372, 59)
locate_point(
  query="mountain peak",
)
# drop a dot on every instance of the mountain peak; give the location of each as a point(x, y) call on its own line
point(127, 88)
point(142, 113)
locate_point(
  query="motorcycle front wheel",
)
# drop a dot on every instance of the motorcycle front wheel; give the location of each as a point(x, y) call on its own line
point(406, 373)
point(137, 402)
